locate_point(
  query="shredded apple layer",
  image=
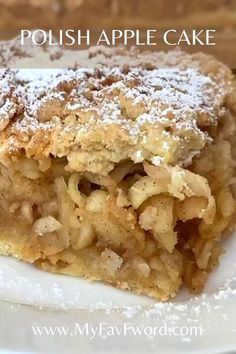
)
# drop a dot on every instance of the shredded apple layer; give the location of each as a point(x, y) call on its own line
point(142, 227)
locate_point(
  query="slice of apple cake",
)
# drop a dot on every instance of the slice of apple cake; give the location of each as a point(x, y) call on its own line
point(122, 173)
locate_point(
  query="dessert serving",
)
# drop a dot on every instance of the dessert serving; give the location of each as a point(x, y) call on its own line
point(121, 169)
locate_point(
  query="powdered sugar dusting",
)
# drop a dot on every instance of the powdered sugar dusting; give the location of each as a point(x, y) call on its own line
point(155, 110)
point(165, 93)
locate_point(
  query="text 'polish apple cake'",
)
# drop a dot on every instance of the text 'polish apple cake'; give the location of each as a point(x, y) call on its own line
point(122, 172)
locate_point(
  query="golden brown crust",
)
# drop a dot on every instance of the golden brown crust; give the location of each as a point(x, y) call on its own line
point(160, 108)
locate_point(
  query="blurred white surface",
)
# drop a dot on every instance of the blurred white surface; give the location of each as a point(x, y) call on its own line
point(30, 297)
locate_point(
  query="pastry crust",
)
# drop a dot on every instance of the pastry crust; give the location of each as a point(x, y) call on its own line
point(119, 169)
point(160, 106)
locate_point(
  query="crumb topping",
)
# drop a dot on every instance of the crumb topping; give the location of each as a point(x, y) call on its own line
point(165, 96)
point(160, 112)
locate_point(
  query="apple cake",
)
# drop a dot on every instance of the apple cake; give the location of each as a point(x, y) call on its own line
point(121, 172)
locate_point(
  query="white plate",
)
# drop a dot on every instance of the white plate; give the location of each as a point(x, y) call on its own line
point(30, 297)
